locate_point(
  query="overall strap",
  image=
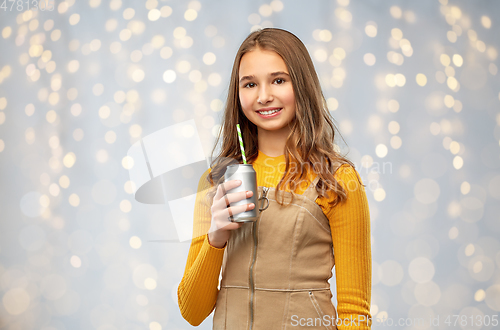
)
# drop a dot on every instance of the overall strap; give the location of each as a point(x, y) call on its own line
point(311, 192)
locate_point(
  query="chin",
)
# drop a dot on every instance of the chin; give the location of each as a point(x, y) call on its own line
point(274, 127)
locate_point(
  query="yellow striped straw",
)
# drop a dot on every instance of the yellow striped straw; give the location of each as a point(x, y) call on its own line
point(241, 144)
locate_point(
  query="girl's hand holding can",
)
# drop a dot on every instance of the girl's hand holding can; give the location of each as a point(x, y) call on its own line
point(221, 225)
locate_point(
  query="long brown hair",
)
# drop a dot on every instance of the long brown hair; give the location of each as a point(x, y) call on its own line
point(311, 140)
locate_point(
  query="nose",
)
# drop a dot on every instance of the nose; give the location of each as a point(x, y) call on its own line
point(265, 95)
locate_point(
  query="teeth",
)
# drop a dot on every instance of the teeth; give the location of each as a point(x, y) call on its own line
point(269, 112)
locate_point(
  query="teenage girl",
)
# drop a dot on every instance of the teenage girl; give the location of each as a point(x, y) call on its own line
point(275, 270)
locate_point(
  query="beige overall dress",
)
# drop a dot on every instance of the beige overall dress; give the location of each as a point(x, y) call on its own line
point(275, 270)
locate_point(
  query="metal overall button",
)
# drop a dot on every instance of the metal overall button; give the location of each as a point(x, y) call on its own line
point(264, 196)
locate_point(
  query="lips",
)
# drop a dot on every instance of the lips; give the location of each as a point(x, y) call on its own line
point(274, 114)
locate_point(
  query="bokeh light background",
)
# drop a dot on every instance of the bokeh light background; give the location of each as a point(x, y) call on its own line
point(413, 86)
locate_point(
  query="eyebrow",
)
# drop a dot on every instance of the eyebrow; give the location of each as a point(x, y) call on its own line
point(274, 74)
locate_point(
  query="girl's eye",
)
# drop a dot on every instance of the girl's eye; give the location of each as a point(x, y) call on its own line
point(280, 81)
point(249, 85)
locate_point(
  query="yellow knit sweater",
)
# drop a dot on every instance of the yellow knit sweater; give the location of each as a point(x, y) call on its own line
point(350, 227)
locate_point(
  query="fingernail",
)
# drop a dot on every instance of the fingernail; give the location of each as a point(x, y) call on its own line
point(249, 193)
point(252, 205)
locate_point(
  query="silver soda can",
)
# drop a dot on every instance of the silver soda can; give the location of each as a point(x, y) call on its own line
point(248, 177)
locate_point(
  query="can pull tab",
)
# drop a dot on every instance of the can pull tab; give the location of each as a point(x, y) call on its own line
point(264, 196)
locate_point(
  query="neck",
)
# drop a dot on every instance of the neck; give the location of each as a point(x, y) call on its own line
point(272, 143)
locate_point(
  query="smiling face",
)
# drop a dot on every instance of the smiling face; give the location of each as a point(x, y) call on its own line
point(265, 85)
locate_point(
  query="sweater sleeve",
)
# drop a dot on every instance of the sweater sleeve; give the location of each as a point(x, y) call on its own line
point(350, 226)
point(197, 291)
